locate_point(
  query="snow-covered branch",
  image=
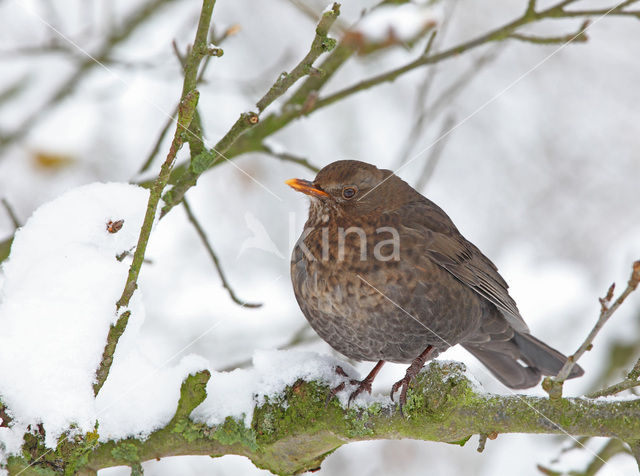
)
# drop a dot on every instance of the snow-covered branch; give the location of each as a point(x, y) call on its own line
point(293, 431)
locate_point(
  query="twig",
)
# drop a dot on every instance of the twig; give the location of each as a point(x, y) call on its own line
point(203, 161)
point(214, 258)
point(634, 445)
point(553, 386)
point(11, 213)
point(482, 441)
point(301, 336)
point(436, 152)
point(444, 99)
point(290, 158)
point(630, 382)
point(424, 89)
point(186, 112)
point(577, 37)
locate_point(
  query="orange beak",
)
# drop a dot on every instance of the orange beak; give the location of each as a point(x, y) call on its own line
point(307, 187)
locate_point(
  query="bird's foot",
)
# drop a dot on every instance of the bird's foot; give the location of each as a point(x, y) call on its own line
point(412, 371)
point(362, 385)
point(335, 390)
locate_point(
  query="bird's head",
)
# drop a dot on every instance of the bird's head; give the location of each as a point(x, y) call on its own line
point(350, 187)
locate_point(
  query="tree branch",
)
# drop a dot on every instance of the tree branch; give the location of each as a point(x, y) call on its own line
point(294, 431)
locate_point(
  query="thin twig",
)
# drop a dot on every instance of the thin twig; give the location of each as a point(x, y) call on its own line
point(11, 213)
point(290, 158)
point(576, 37)
point(301, 336)
point(436, 152)
point(482, 441)
point(424, 89)
point(553, 386)
point(629, 382)
point(214, 258)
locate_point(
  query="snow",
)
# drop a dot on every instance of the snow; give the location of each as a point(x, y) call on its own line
point(401, 23)
point(61, 283)
point(236, 393)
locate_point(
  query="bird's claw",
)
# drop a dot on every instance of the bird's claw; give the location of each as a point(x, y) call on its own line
point(403, 386)
point(364, 385)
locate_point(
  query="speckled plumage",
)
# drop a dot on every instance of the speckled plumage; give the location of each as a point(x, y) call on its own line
point(438, 289)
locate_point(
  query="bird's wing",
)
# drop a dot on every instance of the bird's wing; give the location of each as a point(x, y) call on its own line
point(445, 246)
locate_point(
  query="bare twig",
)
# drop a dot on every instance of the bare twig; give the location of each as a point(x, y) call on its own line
point(10, 211)
point(301, 336)
point(553, 386)
point(629, 382)
point(482, 441)
point(214, 258)
point(290, 158)
point(430, 164)
point(577, 37)
point(424, 89)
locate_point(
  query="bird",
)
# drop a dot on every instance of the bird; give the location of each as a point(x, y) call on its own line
point(382, 274)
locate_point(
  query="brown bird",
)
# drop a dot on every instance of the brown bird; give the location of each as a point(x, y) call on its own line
point(382, 274)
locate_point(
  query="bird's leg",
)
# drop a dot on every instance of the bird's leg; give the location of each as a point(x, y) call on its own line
point(412, 371)
point(362, 385)
point(365, 385)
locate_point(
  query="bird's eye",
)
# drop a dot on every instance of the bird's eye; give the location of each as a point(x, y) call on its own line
point(349, 192)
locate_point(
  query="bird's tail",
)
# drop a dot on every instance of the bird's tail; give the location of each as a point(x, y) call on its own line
point(520, 361)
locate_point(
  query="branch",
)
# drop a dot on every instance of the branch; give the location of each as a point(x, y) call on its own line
point(553, 385)
point(431, 162)
point(294, 432)
point(214, 258)
point(287, 157)
point(186, 111)
point(203, 161)
point(578, 37)
point(630, 382)
point(12, 214)
point(301, 336)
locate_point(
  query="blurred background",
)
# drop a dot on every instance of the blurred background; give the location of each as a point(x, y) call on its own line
point(541, 170)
